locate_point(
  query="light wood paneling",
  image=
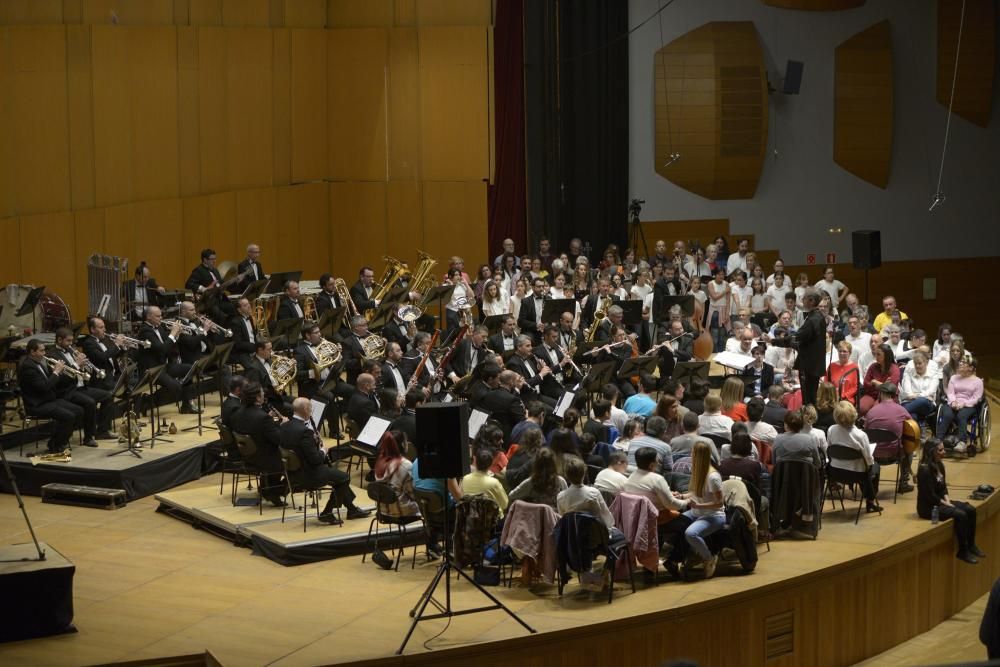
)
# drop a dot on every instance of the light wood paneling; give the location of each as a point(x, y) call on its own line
point(128, 12)
point(305, 13)
point(152, 59)
point(357, 82)
point(454, 138)
point(357, 226)
point(205, 12)
point(976, 61)
point(31, 11)
point(212, 112)
point(816, 5)
point(38, 118)
point(246, 13)
point(305, 209)
point(453, 12)
point(188, 111)
point(10, 251)
point(404, 105)
point(80, 87)
point(249, 108)
point(222, 227)
point(404, 211)
point(711, 107)
point(257, 222)
point(308, 105)
point(863, 103)
point(448, 208)
point(112, 115)
point(282, 107)
point(359, 13)
point(47, 250)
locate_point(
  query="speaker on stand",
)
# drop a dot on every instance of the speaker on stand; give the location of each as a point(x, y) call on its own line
point(866, 246)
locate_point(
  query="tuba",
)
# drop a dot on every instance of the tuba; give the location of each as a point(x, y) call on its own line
point(328, 354)
point(394, 271)
point(373, 347)
point(282, 372)
point(422, 279)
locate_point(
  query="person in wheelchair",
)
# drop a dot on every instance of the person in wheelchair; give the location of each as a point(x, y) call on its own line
point(962, 397)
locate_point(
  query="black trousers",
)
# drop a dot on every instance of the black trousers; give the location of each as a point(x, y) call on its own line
point(342, 495)
point(97, 408)
point(63, 415)
point(809, 386)
point(170, 382)
point(964, 516)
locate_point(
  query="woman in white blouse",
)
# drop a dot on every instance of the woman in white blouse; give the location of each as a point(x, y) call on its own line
point(918, 388)
point(495, 302)
point(846, 434)
point(643, 285)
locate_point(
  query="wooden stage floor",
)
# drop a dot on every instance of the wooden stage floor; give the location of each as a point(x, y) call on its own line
point(148, 586)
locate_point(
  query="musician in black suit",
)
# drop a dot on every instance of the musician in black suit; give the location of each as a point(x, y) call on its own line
point(568, 336)
point(299, 436)
point(233, 403)
point(810, 339)
point(328, 299)
point(38, 383)
point(142, 292)
point(430, 374)
point(163, 351)
point(251, 268)
point(352, 349)
point(394, 375)
point(550, 354)
point(614, 319)
point(486, 377)
point(505, 339)
point(363, 403)
point(361, 291)
point(469, 353)
point(192, 344)
point(244, 333)
point(759, 373)
point(309, 384)
point(504, 404)
point(290, 306)
point(254, 421)
point(258, 369)
point(529, 318)
point(603, 298)
point(96, 403)
point(397, 331)
point(205, 276)
point(681, 348)
point(619, 351)
point(105, 352)
point(527, 365)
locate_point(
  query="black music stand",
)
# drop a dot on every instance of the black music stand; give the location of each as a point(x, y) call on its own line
point(254, 290)
point(143, 387)
point(663, 304)
point(493, 322)
point(637, 366)
point(285, 333)
point(631, 312)
point(383, 313)
point(331, 321)
point(686, 371)
point(29, 304)
point(276, 283)
point(440, 294)
point(220, 355)
point(552, 309)
point(194, 376)
point(598, 376)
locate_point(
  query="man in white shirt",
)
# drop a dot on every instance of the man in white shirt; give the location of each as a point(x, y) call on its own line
point(647, 481)
point(612, 479)
point(859, 339)
point(733, 343)
point(867, 358)
point(712, 420)
point(738, 260)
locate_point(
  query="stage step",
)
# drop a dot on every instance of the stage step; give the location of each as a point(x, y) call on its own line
point(83, 496)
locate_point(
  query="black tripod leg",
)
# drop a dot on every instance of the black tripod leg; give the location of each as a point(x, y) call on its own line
point(425, 599)
point(497, 602)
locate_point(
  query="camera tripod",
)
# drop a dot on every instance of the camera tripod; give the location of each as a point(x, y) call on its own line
point(635, 233)
point(20, 503)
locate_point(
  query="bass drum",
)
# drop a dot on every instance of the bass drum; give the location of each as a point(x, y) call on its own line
point(50, 313)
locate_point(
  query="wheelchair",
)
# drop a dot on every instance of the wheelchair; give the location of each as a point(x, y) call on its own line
point(979, 427)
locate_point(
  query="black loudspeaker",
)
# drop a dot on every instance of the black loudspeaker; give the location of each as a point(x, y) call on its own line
point(867, 249)
point(793, 77)
point(443, 440)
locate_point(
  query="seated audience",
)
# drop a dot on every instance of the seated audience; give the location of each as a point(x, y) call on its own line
point(883, 369)
point(712, 420)
point(580, 498)
point(480, 481)
point(845, 433)
point(706, 508)
point(544, 484)
point(963, 394)
point(394, 469)
point(669, 408)
point(696, 395)
point(741, 462)
point(652, 437)
point(682, 445)
point(918, 389)
point(933, 492)
point(642, 403)
point(826, 401)
point(889, 415)
point(792, 445)
point(612, 479)
point(633, 427)
point(732, 399)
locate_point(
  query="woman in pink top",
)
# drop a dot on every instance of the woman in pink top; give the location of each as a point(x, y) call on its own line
point(883, 370)
point(965, 390)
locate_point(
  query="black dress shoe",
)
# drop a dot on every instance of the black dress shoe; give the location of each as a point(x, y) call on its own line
point(89, 442)
point(905, 487)
point(330, 518)
point(874, 508)
point(277, 501)
point(967, 557)
point(976, 551)
point(357, 513)
point(106, 435)
point(188, 409)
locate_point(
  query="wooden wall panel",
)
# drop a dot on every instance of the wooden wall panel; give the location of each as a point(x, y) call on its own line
point(863, 103)
point(195, 225)
point(453, 12)
point(404, 105)
point(88, 229)
point(449, 207)
point(305, 13)
point(976, 61)
point(205, 12)
point(257, 222)
point(359, 13)
point(10, 251)
point(288, 249)
point(47, 251)
point(711, 107)
point(282, 96)
point(250, 108)
point(357, 227)
point(453, 103)
point(221, 230)
point(112, 115)
point(153, 88)
point(188, 111)
point(39, 115)
point(404, 215)
point(246, 13)
point(80, 88)
point(119, 236)
point(164, 251)
point(13, 12)
point(304, 208)
point(357, 83)
point(129, 12)
point(212, 111)
point(8, 159)
point(308, 105)
point(816, 5)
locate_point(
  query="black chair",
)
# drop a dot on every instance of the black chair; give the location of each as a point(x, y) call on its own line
point(230, 461)
point(592, 473)
point(718, 439)
point(248, 451)
point(886, 453)
point(312, 493)
point(583, 536)
point(355, 453)
point(758, 500)
point(386, 498)
point(839, 475)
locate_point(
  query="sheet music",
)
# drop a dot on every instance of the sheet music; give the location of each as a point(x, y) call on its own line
point(871, 448)
point(565, 401)
point(373, 431)
point(732, 360)
point(318, 407)
point(476, 421)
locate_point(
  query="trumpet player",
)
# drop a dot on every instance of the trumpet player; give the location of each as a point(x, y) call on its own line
point(104, 352)
point(162, 351)
point(192, 343)
point(290, 307)
point(96, 403)
point(352, 349)
point(38, 391)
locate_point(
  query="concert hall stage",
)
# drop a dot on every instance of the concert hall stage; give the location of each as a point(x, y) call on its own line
point(265, 533)
point(172, 461)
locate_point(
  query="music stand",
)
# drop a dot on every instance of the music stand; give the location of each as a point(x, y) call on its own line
point(383, 312)
point(552, 309)
point(221, 356)
point(29, 304)
point(143, 386)
point(686, 371)
point(631, 311)
point(254, 290)
point(194, 376)
point(637, 366)
point(276, 283)
point(599, 375)
point(331, 321)
point(285, 333)
point(441, 294)
point(662, 305)
point(493, 322)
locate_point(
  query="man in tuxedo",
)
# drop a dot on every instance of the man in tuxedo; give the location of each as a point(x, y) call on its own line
point(105, 352)
point(363, 403)
point(205, 276)
point(191, 345)
point(327, 298)
point(300, 437)
point(251, 267)
point(352, 350)
point(38, 383)
point(811, 342)
point(760, 372)
point(407, 419)
point(549, 354)
point(774, 410)
point(244, 333)
point(142, 292)
point(96, 403)
point(528, 366)
point(289, 306)
point(469, 353)
point(254, 421)
point(397, 331)
point(361, 291)
point(568, 336)
point(614, 319)
point(163, 352)
point(393, 374)
point(428, 379)
point(486, 377)
point(505, 339)
point(310, 384)
point(529, 318)
point(258, 369)
point(602, 297)
point(680, 348)
point(504, 404)
point(233, 403)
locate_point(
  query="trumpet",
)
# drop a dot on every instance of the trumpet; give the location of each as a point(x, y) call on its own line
point(185, 328)
point(73, 372)
point(133, 343)
point(89, 366)
point(212, 326)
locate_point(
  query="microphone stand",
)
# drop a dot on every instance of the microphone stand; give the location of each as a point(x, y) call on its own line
point(20, 503)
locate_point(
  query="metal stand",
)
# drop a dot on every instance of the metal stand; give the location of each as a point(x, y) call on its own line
point(20, 503)
point(445, 610)
point(132, 441)
point(635, 233)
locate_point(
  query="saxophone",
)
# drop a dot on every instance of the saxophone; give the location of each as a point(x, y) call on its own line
point(600, 314)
